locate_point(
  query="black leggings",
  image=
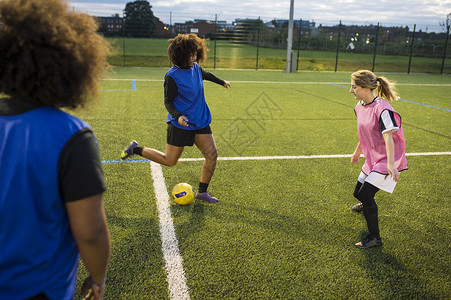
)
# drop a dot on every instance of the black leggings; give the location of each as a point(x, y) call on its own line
point(365, 193)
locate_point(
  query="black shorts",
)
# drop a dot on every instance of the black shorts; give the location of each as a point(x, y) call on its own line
point(181, 137)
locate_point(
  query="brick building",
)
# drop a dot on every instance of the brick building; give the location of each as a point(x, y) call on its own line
point(110, 25)
point(161, 30)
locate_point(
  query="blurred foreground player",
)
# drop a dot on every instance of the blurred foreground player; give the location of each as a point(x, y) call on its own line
point(51, 179)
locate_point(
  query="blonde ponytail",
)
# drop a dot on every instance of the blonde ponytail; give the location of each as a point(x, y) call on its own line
point(384, 88)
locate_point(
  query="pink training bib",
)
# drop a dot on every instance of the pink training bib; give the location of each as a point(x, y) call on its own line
point(371, 140)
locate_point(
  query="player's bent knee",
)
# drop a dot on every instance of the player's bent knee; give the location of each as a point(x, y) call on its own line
point(171, 163)
point(357, 189)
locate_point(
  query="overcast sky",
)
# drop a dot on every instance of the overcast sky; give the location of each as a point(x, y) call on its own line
point(427, 14)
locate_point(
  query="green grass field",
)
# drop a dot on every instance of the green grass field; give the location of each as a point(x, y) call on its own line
point(283, 228)
point(153, 53)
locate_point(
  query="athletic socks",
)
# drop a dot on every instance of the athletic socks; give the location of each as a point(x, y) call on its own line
point(365, 193)
point(138, 150)
point(203, 187)
point(372, 220)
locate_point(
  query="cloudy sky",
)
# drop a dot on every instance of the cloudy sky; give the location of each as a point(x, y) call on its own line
point(427, 14)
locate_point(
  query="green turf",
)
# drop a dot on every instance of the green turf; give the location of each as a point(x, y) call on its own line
point(283, 229)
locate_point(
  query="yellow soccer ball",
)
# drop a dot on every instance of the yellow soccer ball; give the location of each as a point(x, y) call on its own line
point(183, 193)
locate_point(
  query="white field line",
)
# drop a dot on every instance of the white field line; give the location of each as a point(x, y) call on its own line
point(305, 156)
point(289, 82)
point(275, 157)
point(177, 286)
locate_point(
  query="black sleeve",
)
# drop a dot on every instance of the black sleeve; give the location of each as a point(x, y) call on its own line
point(170, 92)
point(210, 77)
point(387, 121)
point(80, 168)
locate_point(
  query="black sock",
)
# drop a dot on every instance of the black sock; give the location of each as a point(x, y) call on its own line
point(372, 220)
point(138, 150)
point(203, 187)
point(366, 195)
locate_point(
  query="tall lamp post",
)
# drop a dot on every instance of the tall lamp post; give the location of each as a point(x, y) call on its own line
point(290, 39)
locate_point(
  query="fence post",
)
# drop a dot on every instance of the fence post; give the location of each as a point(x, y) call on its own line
point(258, 46)
point(299, 44)
point(338, 46)
point(375, 47)
point(444, 52)
point(411, 47)
point(216, 25)
point(123, 39)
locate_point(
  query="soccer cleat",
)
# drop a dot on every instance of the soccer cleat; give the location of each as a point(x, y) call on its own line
point(127, 152)
point(206, 197)
point(369, 242)
point(358, 207)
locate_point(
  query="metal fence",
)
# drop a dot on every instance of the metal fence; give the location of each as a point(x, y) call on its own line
point(252, 44)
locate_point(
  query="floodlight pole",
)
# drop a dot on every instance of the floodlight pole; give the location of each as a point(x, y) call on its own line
point(290, 38)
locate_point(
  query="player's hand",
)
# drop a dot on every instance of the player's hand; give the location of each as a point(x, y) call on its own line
point(355, 157)
point(183, 121)
point(393, 172)
point(91, 290)
point(226, 84)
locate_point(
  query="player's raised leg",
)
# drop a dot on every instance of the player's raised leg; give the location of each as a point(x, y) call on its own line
point(169, 158)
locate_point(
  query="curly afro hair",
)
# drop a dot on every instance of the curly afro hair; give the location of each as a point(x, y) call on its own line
point(50, 55)
point(183, 46)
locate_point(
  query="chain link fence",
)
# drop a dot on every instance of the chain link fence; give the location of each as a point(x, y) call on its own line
point(253, 44)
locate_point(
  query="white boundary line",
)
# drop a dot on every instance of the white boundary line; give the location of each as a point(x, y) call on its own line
point(306, 156)
point(275, 157)
point(428, 153)
point(287, 82)
point(178, 289)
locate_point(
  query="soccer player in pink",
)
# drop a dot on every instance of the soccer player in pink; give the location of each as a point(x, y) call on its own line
point(381, 140)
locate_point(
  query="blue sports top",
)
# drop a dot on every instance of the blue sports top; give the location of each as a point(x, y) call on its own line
point(190, 100)
point(38, 252)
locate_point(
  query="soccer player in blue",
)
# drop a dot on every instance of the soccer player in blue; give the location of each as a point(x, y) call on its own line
point(51, 179)
point(189, 117)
